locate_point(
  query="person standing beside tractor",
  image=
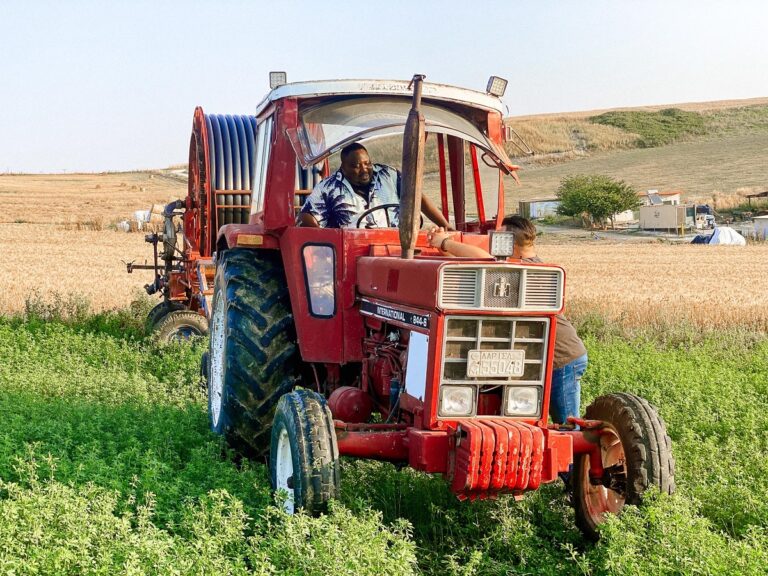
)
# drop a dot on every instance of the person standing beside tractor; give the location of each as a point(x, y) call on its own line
point(570, 355)
point(357, 187)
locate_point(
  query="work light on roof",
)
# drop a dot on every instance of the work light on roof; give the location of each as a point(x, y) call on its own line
point(277, 79)
point(496, 86)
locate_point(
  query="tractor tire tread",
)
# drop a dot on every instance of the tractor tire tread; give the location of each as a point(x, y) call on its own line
point(261, 353)
point(316, 444)
point(646, 445)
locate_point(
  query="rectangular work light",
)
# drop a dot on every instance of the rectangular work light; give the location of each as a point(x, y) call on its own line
point(277, 79)
point(502, 243)
point(496, 86)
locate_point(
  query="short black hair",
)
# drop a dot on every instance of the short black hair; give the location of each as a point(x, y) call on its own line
point(349, 148)
point(525, 231)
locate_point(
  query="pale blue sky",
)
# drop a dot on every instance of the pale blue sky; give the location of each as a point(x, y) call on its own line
point(107, 85)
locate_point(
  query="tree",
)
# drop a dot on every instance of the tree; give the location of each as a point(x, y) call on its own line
point(595, 196)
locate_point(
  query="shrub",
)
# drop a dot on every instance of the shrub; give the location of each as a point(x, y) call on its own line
point(599, 197)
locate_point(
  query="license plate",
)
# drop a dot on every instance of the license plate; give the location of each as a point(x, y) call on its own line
point(495, 363)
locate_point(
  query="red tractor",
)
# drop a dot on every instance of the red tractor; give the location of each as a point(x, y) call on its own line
point(327, 342)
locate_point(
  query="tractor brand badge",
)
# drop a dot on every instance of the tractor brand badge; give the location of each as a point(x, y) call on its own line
point(388, 313)
point(502, 288)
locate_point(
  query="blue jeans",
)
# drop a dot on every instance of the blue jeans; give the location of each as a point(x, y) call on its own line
point(566, 390)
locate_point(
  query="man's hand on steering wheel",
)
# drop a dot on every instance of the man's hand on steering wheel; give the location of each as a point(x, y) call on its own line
point(386, 208)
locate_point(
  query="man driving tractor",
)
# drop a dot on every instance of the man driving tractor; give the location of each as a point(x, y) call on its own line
point(357, 186)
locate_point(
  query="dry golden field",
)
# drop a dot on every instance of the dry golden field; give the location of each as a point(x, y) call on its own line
point(638, 283)
point(56, 240)
point(87, 201)
point(655, 284)
point(45, 260)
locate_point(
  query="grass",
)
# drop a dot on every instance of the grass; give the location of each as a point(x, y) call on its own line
point(655, 128)
point(716, 166)
point(107, 465)
point(711, 153)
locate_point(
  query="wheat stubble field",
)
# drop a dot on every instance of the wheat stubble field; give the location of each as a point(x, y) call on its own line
point(57, 238)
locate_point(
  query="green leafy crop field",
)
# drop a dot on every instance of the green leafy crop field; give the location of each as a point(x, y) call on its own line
point(107, 466)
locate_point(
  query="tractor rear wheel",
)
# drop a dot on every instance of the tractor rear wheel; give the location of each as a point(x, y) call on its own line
point(304, 455)
point(253, 359)
point(180, 325)
point(636, 455)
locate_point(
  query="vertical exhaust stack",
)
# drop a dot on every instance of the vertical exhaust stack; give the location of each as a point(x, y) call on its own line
point(412, 171)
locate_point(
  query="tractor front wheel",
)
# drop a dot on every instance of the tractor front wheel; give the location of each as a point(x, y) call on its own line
point(636, 454)
point(304, 455)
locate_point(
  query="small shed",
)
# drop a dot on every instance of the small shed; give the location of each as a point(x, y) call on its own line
point(667, 217)
point(533, 209)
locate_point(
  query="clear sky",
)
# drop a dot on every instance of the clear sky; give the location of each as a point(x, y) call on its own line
point(112, 85)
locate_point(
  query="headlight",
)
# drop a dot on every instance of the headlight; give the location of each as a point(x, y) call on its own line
point(457, 400)
point(502, 243)
point(522, 401)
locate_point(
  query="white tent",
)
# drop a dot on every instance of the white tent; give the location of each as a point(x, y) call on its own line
point(726, 235)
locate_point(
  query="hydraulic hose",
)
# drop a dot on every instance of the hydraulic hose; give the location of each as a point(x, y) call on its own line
point(232, 165)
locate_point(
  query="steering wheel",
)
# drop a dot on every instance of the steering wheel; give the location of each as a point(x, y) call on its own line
point(386, 208)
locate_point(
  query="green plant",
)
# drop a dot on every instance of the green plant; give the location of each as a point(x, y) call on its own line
point(655, 128)
point(107, 466)
point(599, 197)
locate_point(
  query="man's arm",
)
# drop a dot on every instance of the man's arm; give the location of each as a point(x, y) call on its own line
point(433, 213)
point(307, 220)
point(437, 238)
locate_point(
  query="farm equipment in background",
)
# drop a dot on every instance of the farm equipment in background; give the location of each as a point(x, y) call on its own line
point(221, 169)
point(368, 342)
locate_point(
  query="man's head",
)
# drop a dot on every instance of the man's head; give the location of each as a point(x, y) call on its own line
point(356, 165)
point(524, 230)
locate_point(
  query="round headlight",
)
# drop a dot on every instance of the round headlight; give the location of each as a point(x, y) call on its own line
point(457, 400)
point(522, 401)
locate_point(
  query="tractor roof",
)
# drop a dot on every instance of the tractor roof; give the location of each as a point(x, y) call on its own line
point(430, 91)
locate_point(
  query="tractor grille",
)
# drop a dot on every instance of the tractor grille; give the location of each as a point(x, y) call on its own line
point(464, 334)
point(502, 287)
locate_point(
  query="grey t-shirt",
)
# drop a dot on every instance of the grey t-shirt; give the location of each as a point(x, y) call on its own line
point(568, 345)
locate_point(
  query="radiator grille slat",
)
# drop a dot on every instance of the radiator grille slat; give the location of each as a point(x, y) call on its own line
point(541, 289)
point(459, 288)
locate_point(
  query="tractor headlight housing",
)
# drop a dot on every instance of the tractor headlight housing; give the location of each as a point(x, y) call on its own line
point(522, 401)
point(457, 400)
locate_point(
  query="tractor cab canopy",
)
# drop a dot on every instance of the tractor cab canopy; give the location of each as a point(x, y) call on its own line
point(327, 127)
point(465, 156)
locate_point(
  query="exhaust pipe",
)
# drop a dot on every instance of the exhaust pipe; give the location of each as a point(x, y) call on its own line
point(412, 172)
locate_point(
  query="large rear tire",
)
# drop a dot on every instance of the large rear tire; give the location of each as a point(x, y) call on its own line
point(304, 454)
point(636, 455)
point(252, 360)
